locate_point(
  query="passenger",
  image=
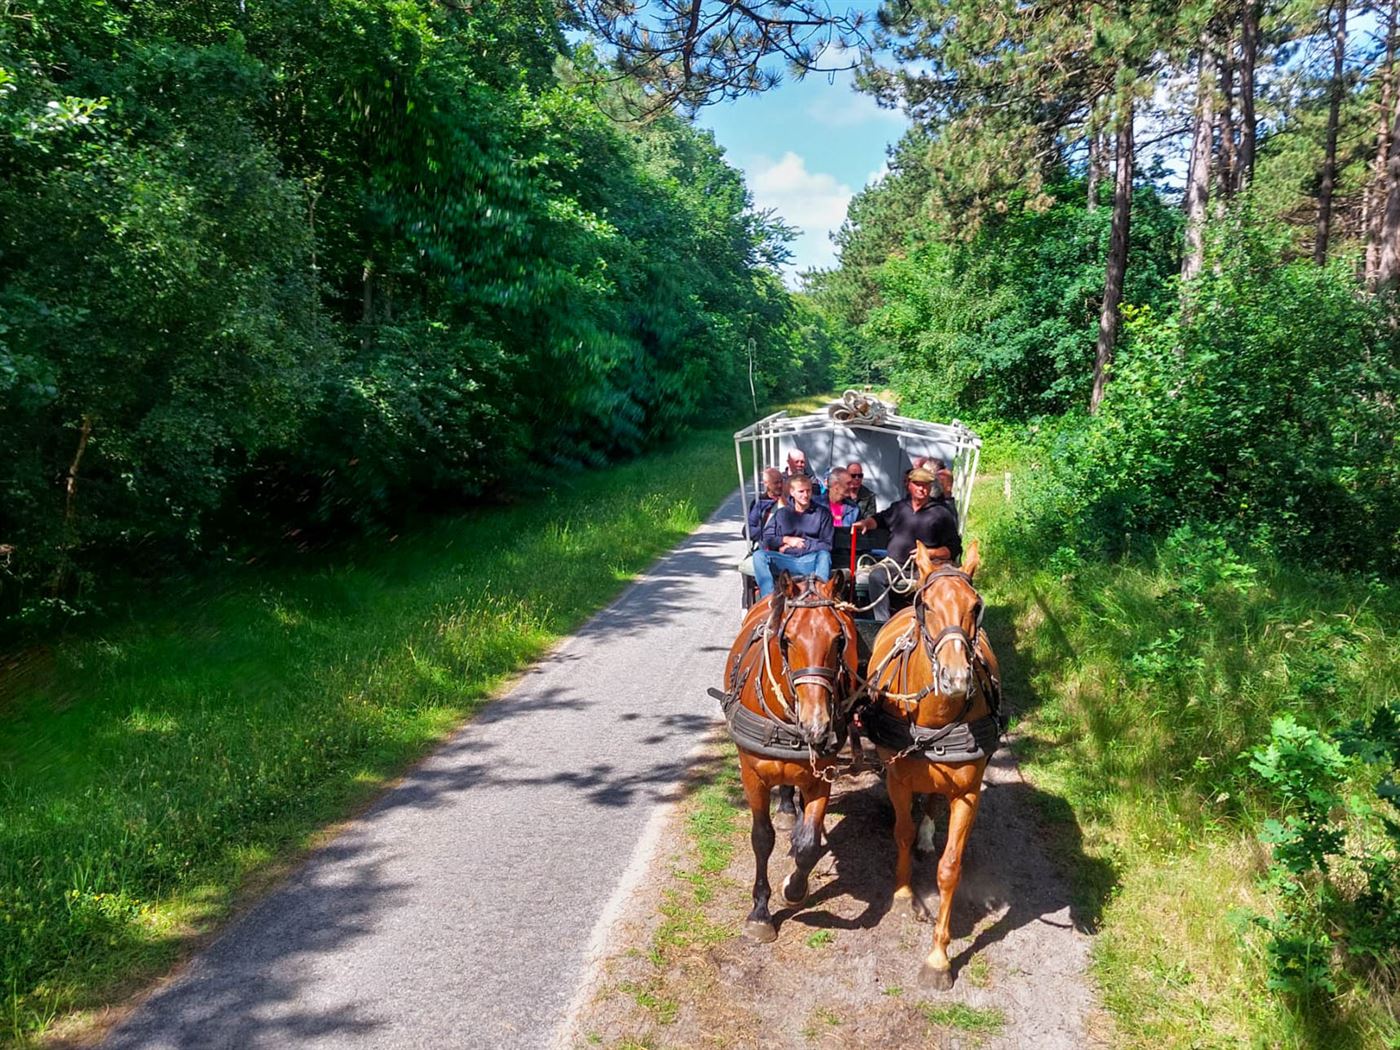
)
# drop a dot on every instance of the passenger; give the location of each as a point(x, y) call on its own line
point(919, 517)
point(774, 496)
point(939, 469)
point(845, 512)
point(798, 538)
point(945, 482)
point(863, 496)
point(797, 468)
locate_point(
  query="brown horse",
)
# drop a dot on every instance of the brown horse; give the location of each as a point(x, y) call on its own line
point(790, 681)
point(934, 720)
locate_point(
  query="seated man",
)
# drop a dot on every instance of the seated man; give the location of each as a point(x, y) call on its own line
point(845, 512)
point(774, 496)
point(920, 517)
point(797, 468)
point(798, 538)
point(865, 498)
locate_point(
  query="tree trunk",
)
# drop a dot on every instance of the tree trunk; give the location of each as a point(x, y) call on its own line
point(1226, 157)
point(1198, 181)
point(1117, 264)
point(366, 303)
point(1249, 53)
point(1376, 189)
point(1388, 268)
point(1095, 170)
point(70, 481)
point(1328, 181)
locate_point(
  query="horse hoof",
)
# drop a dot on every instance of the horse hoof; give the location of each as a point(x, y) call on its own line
point(913, 907)
point(783, 820)
point(935, 979)
point(760, 932)
point(788, 898)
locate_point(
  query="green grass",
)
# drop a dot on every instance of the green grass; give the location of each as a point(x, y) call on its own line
point(713, 815)
point(963, 1017)
point(154, 773)
point(1137, 683)
point(819, 938)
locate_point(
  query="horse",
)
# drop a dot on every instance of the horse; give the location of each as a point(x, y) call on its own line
point(791, 678)
point(935, 720)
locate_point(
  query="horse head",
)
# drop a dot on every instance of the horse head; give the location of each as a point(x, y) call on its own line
point(817, 642)
point(950, 611)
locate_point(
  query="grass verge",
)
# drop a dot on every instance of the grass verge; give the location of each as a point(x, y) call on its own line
point(157, 773)
point(1139, 683)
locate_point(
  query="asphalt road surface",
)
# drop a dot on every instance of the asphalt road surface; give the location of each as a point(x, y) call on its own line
point(458, 912)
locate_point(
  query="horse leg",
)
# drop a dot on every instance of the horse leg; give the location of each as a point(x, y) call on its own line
point(937, 972)
point(806, 848)
point(787, 808)
point(759, 925)
point(902, 798)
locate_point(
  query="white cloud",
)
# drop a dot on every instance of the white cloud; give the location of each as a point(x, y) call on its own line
point(852, 110)
point(813, 201)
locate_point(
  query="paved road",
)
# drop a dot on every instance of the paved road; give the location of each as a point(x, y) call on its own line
point(458, 911)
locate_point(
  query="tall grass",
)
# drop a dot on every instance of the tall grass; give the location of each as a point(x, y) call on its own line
point(152, 773)
point(1138, 683)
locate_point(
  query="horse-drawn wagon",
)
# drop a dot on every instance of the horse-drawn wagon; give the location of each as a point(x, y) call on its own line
point(809, 672)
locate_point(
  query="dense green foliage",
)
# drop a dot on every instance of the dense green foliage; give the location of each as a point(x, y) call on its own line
point(1143, 684)
point(148, 775)
point(1001, 325)
point(1269, 408)
point(270, 266)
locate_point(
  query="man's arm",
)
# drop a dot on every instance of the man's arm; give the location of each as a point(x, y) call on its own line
point(947, 534)
point(772, 537)
point(826, 532)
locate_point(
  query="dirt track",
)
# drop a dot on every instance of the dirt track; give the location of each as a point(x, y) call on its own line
point(843, 970)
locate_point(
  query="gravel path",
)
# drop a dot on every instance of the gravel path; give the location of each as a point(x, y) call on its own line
point(462, 909)
point(842, 974)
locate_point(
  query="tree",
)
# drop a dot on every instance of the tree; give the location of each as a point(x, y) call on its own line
point(689, 53)
point(1117, 254)
point(1327, 181)
point(1198, 176)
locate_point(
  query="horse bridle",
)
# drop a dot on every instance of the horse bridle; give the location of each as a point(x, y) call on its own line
point(934, 642)
point(827, 678)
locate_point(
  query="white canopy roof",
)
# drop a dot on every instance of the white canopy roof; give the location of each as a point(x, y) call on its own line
point(860, 428)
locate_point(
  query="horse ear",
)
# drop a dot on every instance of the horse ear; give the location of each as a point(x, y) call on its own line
point(836, 586)
point(923, 558)
point(775, 610)
point(972, 559)
point(788, 584)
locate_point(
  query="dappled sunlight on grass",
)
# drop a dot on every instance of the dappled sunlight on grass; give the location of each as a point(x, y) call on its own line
point(1143, 680)
point(153, 772)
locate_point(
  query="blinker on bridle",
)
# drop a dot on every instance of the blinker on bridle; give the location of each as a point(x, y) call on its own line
point(828, 678)
point(933, 643)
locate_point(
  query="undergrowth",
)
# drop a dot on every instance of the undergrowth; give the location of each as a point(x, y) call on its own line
point(1147, 681)
point(152, 772)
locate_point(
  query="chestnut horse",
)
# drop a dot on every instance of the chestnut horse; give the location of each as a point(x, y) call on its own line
point(789, 685)
point(935, 721)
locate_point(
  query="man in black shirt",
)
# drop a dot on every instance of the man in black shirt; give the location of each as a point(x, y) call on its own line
point(920, 517)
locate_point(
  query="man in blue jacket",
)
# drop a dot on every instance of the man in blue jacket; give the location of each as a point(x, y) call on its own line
point(797, 538)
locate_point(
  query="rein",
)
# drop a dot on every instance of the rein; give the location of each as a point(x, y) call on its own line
point(918, 634)
point(783, 738)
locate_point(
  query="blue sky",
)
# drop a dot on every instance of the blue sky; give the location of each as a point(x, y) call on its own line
point(805, 147)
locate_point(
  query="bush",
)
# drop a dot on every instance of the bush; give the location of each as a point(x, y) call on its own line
point(1335, 858)
point(1270, 409)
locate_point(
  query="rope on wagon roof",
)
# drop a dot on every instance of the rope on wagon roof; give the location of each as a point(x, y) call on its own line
point(855, 407)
